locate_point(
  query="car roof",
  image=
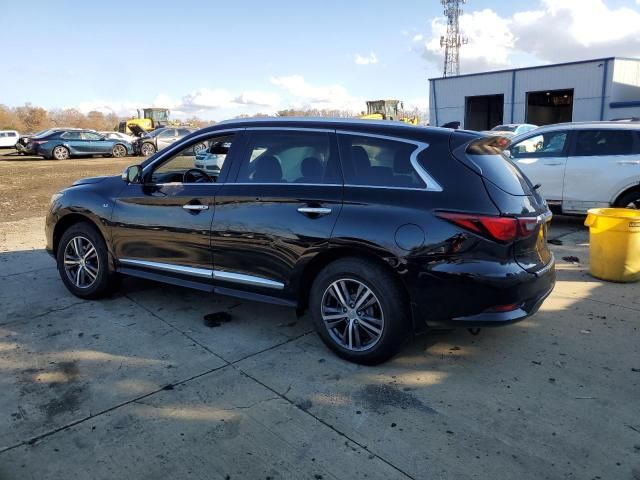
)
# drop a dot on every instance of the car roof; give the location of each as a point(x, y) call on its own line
point(382, 127)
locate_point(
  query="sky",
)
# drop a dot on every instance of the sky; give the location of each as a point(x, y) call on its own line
point(219, 59)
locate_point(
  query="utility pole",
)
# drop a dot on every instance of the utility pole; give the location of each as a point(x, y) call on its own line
point(453, 40)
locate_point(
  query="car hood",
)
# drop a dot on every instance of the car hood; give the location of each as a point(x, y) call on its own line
point(89, 180)
point(137, 130)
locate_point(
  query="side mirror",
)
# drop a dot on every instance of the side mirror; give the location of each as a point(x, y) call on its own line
point(508, 153)
point(132, 174)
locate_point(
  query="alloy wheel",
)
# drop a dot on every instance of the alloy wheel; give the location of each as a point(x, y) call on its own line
point(635, 204)
point(119, 151)
point(60, 153)
point(148, 149)
point(352, 314)
point(81, 263)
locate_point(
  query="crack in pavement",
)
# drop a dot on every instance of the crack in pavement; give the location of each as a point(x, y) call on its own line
point(52, 310)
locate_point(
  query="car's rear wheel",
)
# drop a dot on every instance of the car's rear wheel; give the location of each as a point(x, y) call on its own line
point(147, 149)
point(359, 310)
point(199, 147)
point(119, 151)
point(83, 262)
point(629, 200)
point(60, 153)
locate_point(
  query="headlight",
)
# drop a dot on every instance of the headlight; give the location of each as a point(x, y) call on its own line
point(55, 197)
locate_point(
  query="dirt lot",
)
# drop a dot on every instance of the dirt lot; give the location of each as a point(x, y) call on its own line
point(27, 183)
point(137, 386)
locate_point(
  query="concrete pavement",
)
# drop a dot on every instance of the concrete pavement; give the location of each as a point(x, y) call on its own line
point(137, 387)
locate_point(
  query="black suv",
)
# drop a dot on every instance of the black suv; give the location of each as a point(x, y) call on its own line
point(380, 229)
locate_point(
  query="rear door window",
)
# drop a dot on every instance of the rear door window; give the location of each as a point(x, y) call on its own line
point(590, 143)
point(294, 157)
point(382, 162)
point(71, 135)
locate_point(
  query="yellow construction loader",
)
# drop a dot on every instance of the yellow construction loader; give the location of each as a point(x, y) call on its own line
point(387, 110)
point(148, 119)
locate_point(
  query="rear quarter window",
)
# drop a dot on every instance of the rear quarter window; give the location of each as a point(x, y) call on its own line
point(373, 161)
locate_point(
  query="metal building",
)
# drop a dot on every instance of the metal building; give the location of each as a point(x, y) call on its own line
point(601, 89)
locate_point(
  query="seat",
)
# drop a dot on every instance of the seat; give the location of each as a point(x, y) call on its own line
point(403, 170)
point(360, 161)
point(267, 170)
point(311, 169)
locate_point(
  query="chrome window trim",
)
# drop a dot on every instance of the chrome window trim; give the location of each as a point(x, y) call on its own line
point(174, 147)
point(289, 184)
point(240, 278)
point(431, 184)
point(293, 129)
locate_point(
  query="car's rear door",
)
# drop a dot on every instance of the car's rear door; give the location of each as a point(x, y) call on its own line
point(543, 158)
point(279, 212)
point(601, 162)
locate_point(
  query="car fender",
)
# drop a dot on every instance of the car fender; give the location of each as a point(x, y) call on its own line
point(621, 187)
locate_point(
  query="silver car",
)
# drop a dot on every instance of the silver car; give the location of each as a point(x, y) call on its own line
point(160, 138)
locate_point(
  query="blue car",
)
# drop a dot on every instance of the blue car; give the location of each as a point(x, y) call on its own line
point(63, 144)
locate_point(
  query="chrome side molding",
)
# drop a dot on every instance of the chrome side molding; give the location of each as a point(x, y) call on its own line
point(239, 278)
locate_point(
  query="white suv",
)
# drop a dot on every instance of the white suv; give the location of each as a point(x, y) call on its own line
point(582, 165)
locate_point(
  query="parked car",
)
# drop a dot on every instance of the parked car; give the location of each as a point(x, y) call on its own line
point(8, 138)
point(161, 138)
point(380, 229)
point(511, 129)
point(583, 165)
point(63, 144)
point(119, 136)
point(21, 145)
point(211, 159)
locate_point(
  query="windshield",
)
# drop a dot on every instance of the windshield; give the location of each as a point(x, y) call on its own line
point(156, 132)
point(504, 128)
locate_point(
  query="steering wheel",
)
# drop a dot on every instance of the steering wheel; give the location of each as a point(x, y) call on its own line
point(196, 175)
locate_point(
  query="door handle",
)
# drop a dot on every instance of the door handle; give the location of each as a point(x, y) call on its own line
point(553, 164)
point(315, 211)
point(628, 162)
point(196, 207)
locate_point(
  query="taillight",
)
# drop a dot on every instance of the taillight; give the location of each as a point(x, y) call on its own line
point(500, 229)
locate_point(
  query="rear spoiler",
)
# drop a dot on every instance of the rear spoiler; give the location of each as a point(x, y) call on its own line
point(491, 145)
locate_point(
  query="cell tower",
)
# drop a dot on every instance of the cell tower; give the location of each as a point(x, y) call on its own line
point(453, 40)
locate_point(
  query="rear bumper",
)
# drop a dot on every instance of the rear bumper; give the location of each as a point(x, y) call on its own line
point(468, 299)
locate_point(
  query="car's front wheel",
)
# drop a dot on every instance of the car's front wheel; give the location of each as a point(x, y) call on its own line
point(359, 310)
point(60, 153)
point(83, 262)
point(147, 149)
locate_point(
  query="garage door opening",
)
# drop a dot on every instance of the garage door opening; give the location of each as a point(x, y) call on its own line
point(483, 112)
point(552, 106)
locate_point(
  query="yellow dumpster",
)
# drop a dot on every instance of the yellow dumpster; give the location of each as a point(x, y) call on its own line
point(614, 247)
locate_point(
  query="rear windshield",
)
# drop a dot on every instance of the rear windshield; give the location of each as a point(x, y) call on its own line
point(503, 173)
point(504, 128)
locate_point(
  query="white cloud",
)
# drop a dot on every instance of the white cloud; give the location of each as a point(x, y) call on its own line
point(321, 97)
point(553, 31)
point(419, 37)
point(370, 59)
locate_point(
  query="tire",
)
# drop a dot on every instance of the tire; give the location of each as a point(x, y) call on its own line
point(147, 149)
point(119, 151)
point(89, 278)
point(389, 313)
point(630, 199)
point(199, 147)
point(60, 153)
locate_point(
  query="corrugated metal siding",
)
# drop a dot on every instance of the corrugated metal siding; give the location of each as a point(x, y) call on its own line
point(586, 79)
point(626, 81)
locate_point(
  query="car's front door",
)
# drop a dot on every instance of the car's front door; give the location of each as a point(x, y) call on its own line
point(166, 138)
point(95, 144)
point(279, 212)
point(162, 226)
point(543, 158)
point(601, 162)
